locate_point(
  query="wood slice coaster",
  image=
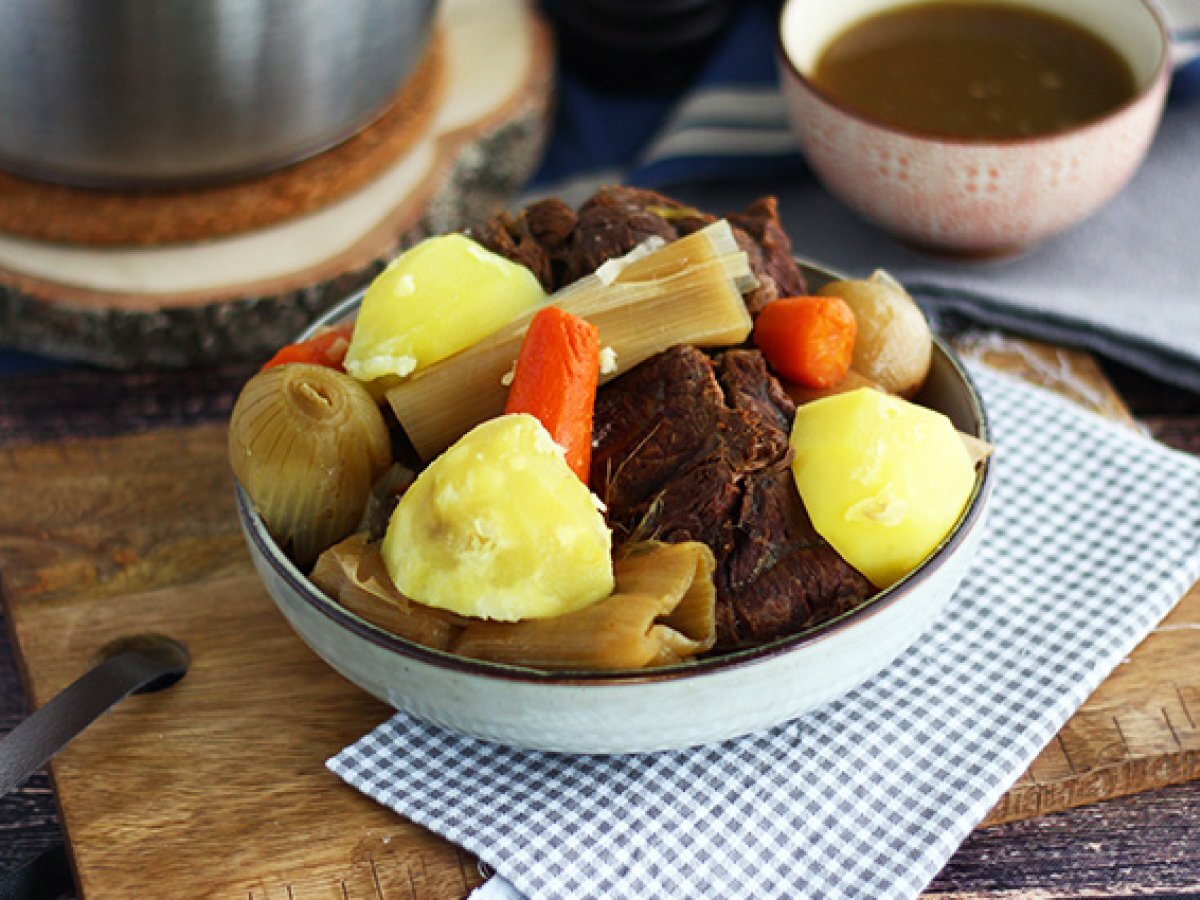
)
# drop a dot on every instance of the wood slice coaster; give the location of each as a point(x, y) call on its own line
point(110, 218)
point(239, 296)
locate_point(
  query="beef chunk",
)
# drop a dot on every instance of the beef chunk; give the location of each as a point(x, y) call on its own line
point(642, 200)
point(631, 456)
point(611, 224)
point(749, 386)
point(511, 238)
point(773, 264)
point(560, 246)
point(689, 447)
point(552, 224)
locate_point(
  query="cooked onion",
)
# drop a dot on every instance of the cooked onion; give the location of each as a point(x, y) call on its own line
point(894, 346)
point(307, 442)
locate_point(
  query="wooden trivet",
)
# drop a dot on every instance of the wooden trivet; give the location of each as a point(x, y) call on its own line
point(240, 296)
point(148, 218)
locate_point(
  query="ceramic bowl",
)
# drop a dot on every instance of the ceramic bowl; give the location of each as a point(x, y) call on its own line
point(973, 197)
point(645, 710)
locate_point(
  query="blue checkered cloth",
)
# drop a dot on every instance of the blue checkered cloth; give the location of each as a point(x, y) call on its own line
point(1094, 535)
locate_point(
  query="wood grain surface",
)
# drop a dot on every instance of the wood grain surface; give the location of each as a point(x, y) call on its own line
point(217, 787)
point(1141, 728)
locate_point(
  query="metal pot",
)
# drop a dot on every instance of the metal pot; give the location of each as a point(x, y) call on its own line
point(168, 92)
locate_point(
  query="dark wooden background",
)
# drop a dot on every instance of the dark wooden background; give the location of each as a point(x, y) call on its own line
point(1147, 845)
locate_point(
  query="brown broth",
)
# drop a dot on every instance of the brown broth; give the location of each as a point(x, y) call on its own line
point(974, 70)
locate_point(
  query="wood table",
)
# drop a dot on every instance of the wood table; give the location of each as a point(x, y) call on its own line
point(1144, 844)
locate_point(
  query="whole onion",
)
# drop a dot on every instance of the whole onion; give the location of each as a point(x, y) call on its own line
point(894, 346)
point(306, 443)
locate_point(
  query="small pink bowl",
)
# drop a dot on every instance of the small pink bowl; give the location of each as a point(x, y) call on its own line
point(974, 197)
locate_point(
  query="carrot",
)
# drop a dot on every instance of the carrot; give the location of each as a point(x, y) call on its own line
point(807, 340)
point(325, 348)
point(558, 368)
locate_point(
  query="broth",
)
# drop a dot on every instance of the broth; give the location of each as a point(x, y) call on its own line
point(974, 70)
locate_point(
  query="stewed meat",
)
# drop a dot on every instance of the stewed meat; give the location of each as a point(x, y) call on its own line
point(561, 246)
point(693, 447)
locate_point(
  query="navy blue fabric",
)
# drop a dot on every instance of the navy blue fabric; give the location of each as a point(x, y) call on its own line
point(14, 363)
point(1186, 83)
point(600, 130)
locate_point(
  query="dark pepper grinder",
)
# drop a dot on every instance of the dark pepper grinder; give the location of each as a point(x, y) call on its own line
point(637, 45)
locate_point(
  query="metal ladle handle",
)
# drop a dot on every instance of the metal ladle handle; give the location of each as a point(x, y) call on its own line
point(135, 665)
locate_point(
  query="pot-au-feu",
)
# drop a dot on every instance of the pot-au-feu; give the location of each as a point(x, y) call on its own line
point(621, 436)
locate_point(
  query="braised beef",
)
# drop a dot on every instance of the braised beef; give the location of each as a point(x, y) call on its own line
point(560, 246)
point(692, 447)
point(511, 238)
point(609, 226)
point(773, 264)
point(552, 224)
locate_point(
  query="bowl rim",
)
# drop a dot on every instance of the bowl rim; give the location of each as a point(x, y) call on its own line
point(1161, 70)
point(315, 599)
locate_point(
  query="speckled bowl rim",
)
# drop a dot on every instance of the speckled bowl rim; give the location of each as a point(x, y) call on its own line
point(341, 617)
point(1161, 71)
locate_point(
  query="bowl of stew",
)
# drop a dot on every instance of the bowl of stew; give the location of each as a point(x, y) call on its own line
point(713, 696)
point(974, 127)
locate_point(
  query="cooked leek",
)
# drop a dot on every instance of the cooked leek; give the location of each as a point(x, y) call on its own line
point(661, 612)
point(306, 443)
point(688, 291)
point(352, 572)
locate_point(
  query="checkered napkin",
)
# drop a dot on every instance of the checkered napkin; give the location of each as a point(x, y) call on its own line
point(1094, 535)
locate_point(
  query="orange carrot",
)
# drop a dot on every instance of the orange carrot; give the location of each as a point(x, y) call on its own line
point(808, 340)
point(325, 348)
point(558, 369)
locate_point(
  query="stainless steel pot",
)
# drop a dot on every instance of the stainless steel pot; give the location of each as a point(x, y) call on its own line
point(167, 92)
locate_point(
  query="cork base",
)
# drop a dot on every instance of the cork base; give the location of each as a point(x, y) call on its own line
point(145, 218)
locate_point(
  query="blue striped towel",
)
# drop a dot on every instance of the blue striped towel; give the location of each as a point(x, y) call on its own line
point(1122, 284)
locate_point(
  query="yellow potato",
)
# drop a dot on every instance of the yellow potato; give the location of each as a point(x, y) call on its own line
point(499, 527)
point(883, 480)
point(435, 299)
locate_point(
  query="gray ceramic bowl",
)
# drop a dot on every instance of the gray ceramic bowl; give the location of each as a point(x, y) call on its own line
point(645, 710)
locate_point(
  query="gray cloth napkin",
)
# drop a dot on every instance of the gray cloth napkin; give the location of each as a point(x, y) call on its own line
point(1124, 283)
point(1094, 535)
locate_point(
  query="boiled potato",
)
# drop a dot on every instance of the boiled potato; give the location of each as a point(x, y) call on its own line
point(439, 297)
point(499, 527)
point(894, 345)
point(883, 480)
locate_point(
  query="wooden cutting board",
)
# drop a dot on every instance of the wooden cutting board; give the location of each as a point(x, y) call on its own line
point(217, 787)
